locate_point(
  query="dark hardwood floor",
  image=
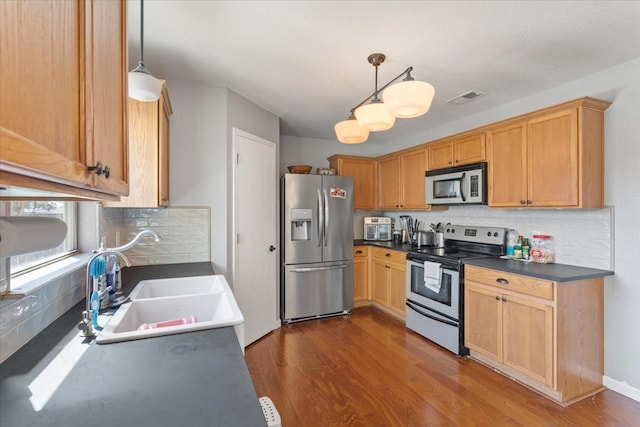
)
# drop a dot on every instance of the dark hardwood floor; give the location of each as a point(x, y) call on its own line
point(367, 369)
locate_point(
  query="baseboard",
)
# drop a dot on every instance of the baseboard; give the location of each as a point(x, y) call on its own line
point(621, 387)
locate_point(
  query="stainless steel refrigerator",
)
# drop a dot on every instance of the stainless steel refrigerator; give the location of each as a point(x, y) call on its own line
point(317, 246)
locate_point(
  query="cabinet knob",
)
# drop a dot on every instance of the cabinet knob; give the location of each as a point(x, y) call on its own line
point(358, 252)
point(497, 298)
point(387, 254)
point(502, 281)
point(504, 299)
point(529, 202)
point(523, 202)
point(100, 169)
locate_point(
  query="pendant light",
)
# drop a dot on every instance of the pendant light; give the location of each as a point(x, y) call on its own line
point(349, 132)
point(142, 85)
point(407, 99)
point(374, 116)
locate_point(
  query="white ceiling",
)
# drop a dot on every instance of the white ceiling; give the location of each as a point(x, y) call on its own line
point(306, 61)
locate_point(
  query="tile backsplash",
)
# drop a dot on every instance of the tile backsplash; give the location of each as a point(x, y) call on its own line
point(583, 237)
point(185, 233)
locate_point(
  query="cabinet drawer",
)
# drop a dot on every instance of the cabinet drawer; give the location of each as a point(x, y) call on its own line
point(360, 251)
point(389, 255)
point(512, 282)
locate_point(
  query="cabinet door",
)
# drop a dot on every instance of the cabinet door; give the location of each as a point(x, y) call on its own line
point(469, 150)
point(362, 171)
point(483, 321)
point(552, 162)
point(42, 128)
point(528, 338)
point(413, 165)
point(380, 282)
point(440, 155)
point(507, 158)
point(106, 109)
point(397, 289)
point(360, 276)
point(389, 182)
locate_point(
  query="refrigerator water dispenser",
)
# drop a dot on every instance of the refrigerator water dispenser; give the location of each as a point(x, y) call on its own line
point(301, 224)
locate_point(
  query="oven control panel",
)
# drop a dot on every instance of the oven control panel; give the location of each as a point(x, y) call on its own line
point(476, 234)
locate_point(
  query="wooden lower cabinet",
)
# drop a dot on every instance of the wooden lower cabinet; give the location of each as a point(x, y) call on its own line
point(361, 291)
point(388, 281)
point(544, 334)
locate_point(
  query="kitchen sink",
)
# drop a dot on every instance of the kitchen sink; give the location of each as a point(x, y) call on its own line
point(159, 288)
point(186, 304)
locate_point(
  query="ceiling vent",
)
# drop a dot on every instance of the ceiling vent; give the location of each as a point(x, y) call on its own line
point(466, 97)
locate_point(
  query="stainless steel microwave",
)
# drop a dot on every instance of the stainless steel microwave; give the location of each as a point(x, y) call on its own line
point(458, 185)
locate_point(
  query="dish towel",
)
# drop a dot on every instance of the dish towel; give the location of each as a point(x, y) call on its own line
point(432, 276)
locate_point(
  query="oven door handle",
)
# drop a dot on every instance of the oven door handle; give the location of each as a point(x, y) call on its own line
point(437, 319)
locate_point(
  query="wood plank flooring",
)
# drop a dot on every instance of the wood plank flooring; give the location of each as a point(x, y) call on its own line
point(367, 369)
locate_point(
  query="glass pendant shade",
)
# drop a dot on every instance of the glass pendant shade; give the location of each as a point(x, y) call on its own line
point(348, 132)
point(143, 86)
point(409, 98)
point(374, 116)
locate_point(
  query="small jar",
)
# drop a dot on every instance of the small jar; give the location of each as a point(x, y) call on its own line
point(542, 249)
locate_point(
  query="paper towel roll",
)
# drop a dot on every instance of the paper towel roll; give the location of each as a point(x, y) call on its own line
point(23, 234)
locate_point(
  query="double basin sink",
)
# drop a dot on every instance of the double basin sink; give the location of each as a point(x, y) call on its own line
point(170, 306)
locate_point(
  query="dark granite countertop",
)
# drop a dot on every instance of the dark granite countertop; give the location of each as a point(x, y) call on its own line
point(387, 245)
point(554, 272)
point(189, 379)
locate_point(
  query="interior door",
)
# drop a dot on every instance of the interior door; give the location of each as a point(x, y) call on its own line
point(255, 225)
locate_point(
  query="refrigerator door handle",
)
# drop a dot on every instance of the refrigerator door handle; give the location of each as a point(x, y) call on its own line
point(309, 269)
point(326, 216)
point(320, 219)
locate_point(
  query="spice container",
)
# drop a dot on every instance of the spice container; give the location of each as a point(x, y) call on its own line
point(542, 249)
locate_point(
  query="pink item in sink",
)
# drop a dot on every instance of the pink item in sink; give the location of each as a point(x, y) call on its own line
point(165, 323)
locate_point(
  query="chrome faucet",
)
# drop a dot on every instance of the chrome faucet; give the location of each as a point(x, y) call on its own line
point(85, 325)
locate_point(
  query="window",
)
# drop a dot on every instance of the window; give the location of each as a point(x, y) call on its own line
point(66, 211)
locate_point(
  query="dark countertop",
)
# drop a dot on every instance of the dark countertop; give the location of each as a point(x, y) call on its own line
point(190, 379)
point(554, 272)
point(387, 245)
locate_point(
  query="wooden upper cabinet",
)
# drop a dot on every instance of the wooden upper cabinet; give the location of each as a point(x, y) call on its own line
point(148, 153)
point(455, 152)
point(507, 161)
point(388, 182)
point(362, 171)
point(63, 86)
point(440, 155)
point(401, 180)
point(413, 165)
point(553, 158)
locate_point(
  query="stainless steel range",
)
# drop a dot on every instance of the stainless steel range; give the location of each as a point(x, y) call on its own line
point(435, 279)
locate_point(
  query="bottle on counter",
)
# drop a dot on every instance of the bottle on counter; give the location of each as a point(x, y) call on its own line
point(512, 237)
point(525, 249)
point(517, 248)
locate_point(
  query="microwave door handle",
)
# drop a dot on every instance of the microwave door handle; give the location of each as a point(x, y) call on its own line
point(320, 219)
point(464, 199)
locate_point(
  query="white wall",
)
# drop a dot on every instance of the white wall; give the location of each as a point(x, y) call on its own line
point(201, 141)
point(621, 85)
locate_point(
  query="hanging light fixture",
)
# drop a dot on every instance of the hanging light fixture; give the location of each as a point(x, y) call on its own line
point(349, 132)
point(142, 85)
point(407, 99)
point(374, 116)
